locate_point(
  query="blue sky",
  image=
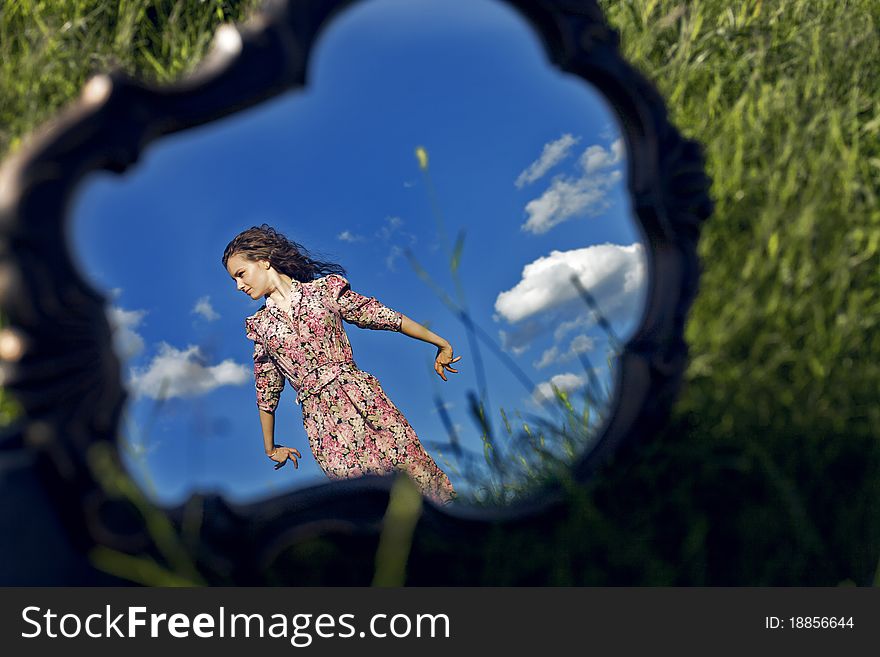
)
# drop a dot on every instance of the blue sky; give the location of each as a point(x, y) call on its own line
point(528, 163)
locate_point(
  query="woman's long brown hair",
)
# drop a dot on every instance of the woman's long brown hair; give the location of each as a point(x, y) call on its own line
point(286, 256)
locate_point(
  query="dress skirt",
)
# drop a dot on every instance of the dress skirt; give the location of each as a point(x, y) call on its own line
point(354, 429)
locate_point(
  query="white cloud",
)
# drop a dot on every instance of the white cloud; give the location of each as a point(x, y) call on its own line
point(140, 449)
point(392, 257)
point(579, 345)
point(348, 236)
point(518, 347)
point(608, 131)
point(183, 373)
point(520, 338)
point(549, 357)
point(568, 197)
point(596, 158)
point(387, 231)
point(564, 328)
point(127, 342)
point(203, 307)
point(551, 155)
point(613, 274)
point(393, 235)
point(583, 195)
point(566, 382)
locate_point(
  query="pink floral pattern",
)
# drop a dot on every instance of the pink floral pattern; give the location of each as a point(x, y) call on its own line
point(352, 427)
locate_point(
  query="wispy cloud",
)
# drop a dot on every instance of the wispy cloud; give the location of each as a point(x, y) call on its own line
point(387, 230)
point(549, 357)
point(393, 256)
point(582, 195)
point(348, 236)
point(446, 405)
point(141, 449)
point(564, 328)
point(203, 307)
point(609, 131)
point(183, 373)
point(392, 233)
point(596, 158)
point(566, 382)
point(579, 345)
point(567, 198)
point(553, 153)
point(127, 342)
point(519, 338)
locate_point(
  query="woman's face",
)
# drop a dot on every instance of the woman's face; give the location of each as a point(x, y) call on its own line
point(250, 276)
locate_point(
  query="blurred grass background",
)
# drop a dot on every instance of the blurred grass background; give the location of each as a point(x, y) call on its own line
point(768, 472)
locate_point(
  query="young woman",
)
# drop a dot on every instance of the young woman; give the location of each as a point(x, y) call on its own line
point(352, 427)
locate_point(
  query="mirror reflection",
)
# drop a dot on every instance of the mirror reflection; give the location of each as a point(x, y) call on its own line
point(458, 179)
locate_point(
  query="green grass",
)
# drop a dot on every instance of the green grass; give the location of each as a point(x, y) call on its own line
point(769, 470)
point(49, 48)
point(780, 416)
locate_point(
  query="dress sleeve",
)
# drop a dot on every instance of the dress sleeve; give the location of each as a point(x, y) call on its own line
point(354, 308)
point(268, 379)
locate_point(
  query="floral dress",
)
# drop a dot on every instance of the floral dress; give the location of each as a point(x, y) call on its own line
point(352, 427)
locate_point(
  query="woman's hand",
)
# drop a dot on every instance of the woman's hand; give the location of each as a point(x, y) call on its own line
point(443, 360)
point(281, 454)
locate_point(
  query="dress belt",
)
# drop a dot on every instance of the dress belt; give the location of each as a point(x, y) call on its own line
point(318, 377)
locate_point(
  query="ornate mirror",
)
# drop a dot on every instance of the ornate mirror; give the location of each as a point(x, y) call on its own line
point(492, 170)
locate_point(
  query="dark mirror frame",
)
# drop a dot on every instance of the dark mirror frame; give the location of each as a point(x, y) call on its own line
point(61, 478)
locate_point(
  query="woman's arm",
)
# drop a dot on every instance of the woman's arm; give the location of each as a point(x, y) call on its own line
point(368, 312)
point(416, 330)
point(278, 454)
point(444, 349)
point(267, 422)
